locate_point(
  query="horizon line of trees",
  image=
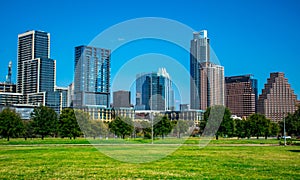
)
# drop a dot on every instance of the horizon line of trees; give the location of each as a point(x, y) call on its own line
point(75, 123)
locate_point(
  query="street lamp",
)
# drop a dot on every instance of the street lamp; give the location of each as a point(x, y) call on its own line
point(284, 133)
point(151, 115)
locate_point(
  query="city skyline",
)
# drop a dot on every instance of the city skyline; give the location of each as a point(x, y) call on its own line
point(253, 39)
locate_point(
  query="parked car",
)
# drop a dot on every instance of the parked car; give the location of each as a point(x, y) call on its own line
point(286, 137)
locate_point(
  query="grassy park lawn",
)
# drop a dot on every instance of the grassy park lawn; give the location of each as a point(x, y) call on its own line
point(60, 159)
point(21, 141)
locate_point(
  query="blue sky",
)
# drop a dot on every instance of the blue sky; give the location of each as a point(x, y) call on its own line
point(249, 37)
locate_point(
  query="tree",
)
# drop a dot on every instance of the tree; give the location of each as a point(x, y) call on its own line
point(259, 125)
point(83, 120)
point(146, 129)
point(28, 130)
point(218, 121)
point(121, 126)
point(274, 129)
point(162, 126)
point(180, 127)
point(240, 128)
point(10, 124)
point(292, 123)
point(142, 128)
point(98, 128)
point(67, 124)
point(44, 121)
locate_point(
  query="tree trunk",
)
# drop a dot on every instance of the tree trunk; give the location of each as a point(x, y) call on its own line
point(7, 138)
point(256, 136)
point(217, 137)
point(42, 137)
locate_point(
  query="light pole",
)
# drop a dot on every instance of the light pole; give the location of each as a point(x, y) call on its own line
point(284, 133)
point(151, 128)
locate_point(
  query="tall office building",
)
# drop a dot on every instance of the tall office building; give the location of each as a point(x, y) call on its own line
point(37, 71)
point(154, 91)
point(31, 45)
point(277, 98)
point(207, 78)
point(38, 75)
point(92, 77)
point(121, 99)
point(70, 95)
point(62, 93)
point(241, 95)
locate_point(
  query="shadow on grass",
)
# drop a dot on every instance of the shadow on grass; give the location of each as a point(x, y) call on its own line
point(298, 150)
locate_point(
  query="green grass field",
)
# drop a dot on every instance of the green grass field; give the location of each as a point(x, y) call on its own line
point(60, 159)
point(16, 141)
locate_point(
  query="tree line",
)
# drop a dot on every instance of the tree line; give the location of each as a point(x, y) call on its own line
point(256, 125)
point(72, 123)
point(75, 123)
point(45, 121)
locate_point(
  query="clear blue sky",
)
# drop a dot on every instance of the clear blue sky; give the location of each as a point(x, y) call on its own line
point(249, 37)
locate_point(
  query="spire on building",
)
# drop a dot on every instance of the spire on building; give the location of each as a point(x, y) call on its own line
point(8, 76)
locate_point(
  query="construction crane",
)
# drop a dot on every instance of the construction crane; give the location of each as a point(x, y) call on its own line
point(8, 76)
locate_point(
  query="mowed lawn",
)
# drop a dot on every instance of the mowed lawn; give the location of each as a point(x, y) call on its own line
point(67, 161)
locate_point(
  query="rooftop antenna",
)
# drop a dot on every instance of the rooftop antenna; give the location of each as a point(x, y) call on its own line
point(8, 76)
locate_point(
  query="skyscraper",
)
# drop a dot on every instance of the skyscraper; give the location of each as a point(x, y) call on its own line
point(277, 98)
point(36, 71)
point(31, 45)
point(92, 76)
point(154, 91)
point(38, 75)
point(121, 99)
point(241, 95)
point(207, 78)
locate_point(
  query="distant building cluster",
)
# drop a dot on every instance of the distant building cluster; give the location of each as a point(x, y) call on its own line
point(154, 91)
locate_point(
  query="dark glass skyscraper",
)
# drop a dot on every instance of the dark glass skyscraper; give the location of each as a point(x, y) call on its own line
point(92, 76)
point(154, 91)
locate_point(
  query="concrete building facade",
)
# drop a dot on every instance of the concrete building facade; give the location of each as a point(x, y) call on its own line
point(277, 98)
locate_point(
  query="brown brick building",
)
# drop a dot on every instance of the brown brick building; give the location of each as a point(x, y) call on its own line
point(277, 98)
point(241, 95)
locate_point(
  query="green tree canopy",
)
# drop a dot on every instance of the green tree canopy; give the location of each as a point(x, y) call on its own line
point(44, 121)
point(121, 126)
point(162, 126)
point(259, 125)
point(240, 128)
point(217, 119)
point(28, 129)
point(180, 127)
point(83, 120)
point(10, 124)
point(98, 128)
point(68, 126)
point(292, 123)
